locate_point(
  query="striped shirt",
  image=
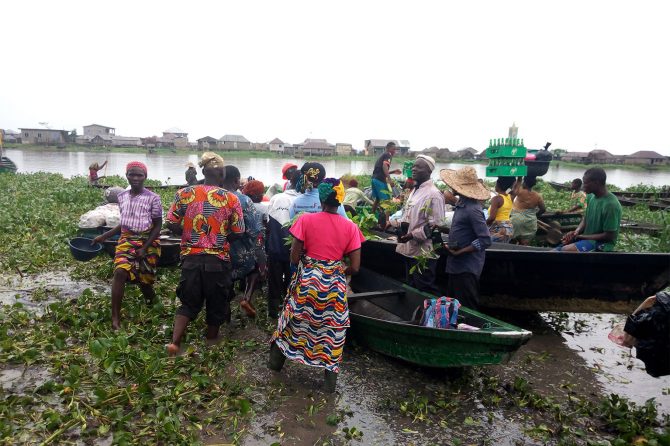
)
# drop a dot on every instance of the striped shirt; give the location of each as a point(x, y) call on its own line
point(138, 211)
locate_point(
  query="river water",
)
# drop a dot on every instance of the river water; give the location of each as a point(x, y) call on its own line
point(169, 168)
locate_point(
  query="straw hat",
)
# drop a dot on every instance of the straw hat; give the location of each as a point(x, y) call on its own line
point(190, 165)
point(211, 159)
point(465, 182)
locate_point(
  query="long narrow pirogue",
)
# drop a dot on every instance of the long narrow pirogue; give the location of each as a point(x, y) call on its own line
point(384, 317)
point(7, 165)
point(538, 279)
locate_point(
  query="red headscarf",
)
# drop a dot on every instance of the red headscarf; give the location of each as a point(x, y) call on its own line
point(253, 187)
point(137, 164)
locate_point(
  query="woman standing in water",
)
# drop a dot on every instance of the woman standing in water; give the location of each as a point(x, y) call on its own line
point(312, 327)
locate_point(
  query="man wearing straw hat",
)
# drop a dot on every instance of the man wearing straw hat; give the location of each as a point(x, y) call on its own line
point(468, 236)
point(423, 209)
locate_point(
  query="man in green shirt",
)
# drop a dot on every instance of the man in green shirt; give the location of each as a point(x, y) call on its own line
point(599, 228)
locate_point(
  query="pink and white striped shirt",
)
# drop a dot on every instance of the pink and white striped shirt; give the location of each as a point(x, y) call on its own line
point(138, 211)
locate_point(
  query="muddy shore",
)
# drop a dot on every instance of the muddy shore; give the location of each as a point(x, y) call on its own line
point(568, 363)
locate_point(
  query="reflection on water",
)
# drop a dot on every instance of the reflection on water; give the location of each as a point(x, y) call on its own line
point(169, 168)
point(615, 367)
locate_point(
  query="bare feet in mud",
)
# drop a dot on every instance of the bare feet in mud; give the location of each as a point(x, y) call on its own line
point(172, 349)
point(210, 342)
point(248, 308)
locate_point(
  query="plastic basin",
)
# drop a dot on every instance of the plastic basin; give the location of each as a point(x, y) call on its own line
point(82, 250)
point(537, 168)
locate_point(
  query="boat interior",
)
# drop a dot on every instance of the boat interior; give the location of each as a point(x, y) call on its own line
point(379, 297)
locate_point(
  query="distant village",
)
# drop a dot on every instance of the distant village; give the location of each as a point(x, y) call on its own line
point(96, 135)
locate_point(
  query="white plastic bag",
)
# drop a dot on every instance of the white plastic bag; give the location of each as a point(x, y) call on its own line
point(92, 219)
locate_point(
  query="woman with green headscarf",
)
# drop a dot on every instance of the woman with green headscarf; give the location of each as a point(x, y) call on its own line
point(312, 326)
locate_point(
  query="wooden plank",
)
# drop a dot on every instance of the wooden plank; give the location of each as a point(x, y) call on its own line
point(374, 294)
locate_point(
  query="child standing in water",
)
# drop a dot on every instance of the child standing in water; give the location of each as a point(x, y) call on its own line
point(138, 248)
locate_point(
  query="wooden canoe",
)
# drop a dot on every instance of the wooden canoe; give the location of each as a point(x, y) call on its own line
point(641, 228)
point(658, 206)
point(643, 195)
point(384, 317)
point(568, 221)
point(7, 165)
point(539, 279)
point(559, 186)
point(628, 202)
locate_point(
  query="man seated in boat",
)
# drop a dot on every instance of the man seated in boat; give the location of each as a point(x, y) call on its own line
point(577, 198)
point(423, 209)
point(599, 228)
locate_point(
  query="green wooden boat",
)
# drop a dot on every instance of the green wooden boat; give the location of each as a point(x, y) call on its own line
point(384, 317)
point(7, 165)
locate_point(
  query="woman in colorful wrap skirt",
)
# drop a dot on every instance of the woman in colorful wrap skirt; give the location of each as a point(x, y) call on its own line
point(138, 248)
point(312, 326)
point(527, 206)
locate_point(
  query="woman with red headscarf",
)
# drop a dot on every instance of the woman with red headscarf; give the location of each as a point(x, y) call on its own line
point(254, 189)
point(138, 248)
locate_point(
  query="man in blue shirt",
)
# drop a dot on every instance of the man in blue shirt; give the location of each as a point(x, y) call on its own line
point(311, 174)
point(468, 236)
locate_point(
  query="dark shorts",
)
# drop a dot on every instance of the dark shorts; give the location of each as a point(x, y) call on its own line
point(205, 279)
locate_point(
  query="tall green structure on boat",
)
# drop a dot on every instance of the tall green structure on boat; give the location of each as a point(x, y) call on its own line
point(506, 156)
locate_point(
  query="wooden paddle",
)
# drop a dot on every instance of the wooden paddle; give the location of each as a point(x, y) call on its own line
point(554, 234)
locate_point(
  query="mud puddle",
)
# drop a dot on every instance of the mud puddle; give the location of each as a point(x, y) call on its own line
point(382, 401)
point(20, 379)
point(36, 291)
point(616, 368)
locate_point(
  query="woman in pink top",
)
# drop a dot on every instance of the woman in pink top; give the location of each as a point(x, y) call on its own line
point(312, 327)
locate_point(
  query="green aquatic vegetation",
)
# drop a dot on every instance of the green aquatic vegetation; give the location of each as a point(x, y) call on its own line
point(44, 211)
point(121, 383)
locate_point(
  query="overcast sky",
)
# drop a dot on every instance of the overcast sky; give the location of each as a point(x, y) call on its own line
point(581, 74)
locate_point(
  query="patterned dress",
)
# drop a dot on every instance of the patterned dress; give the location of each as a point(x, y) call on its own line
point(312, 326)
point(137, 214)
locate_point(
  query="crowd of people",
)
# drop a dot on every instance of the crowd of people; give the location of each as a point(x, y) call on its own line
point(231, 232)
